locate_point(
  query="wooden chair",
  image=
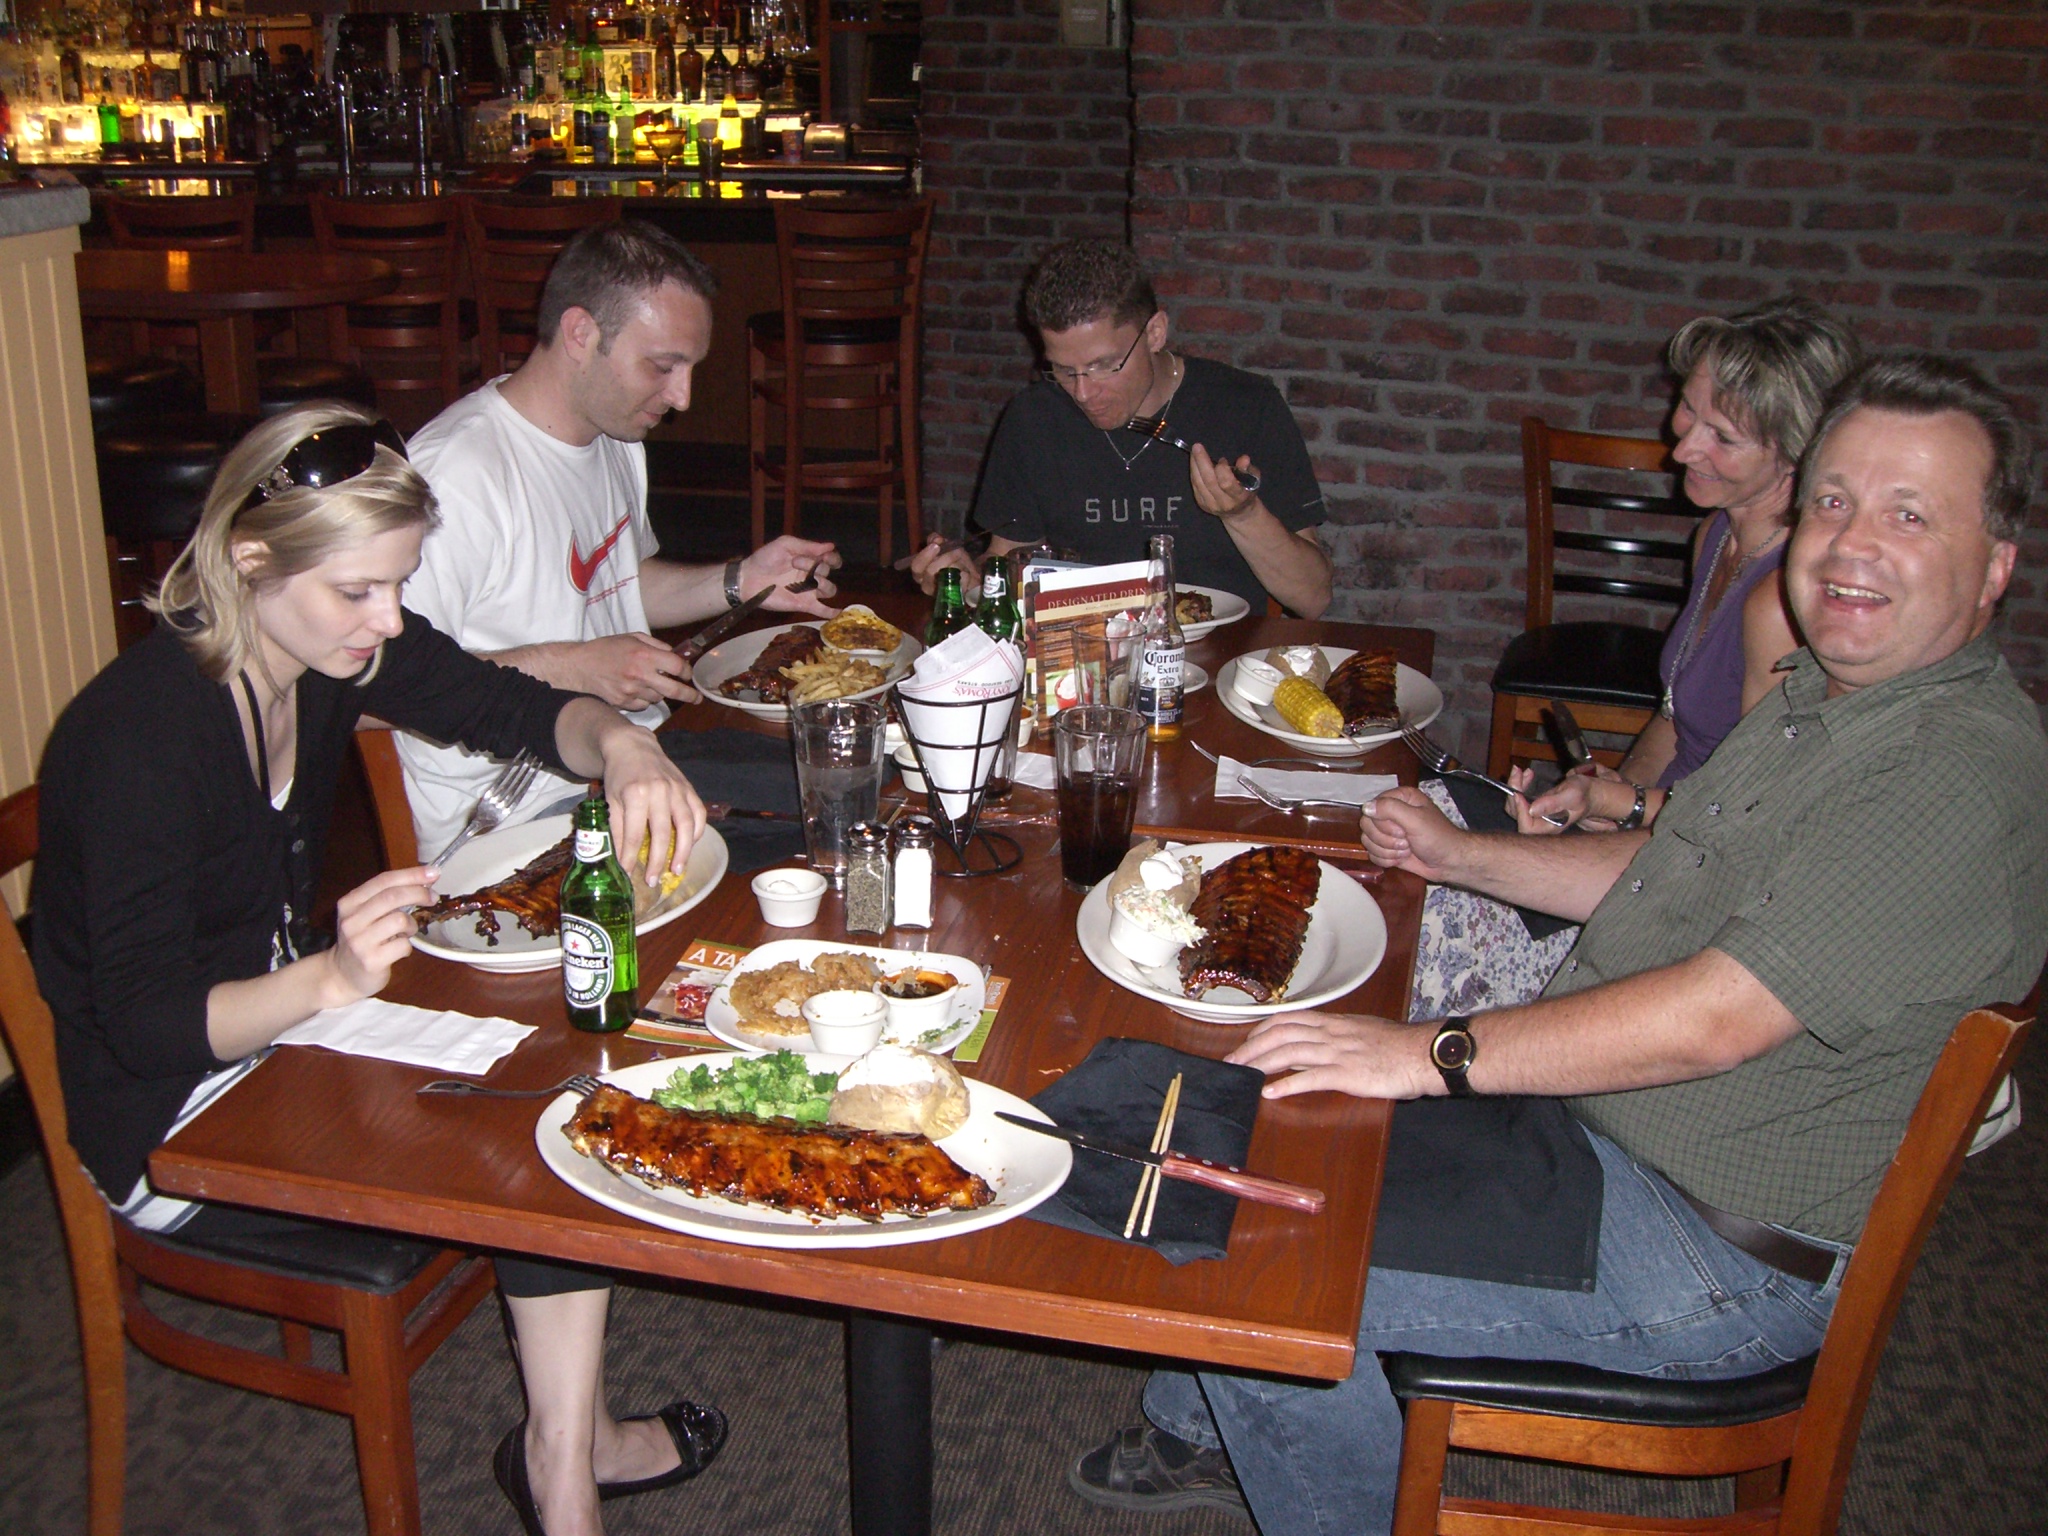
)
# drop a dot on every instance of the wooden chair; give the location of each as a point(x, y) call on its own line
point(511, 245)
point(382, 1341)
point(179, 224)
point(1788, 1436)
point(377, 751)
point(410, 340)
point(1606, 671)
point(845, 339)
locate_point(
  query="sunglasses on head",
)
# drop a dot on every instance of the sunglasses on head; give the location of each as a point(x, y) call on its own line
point(327, 458)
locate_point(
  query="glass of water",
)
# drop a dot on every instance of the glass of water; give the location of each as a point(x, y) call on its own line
point(839, 762)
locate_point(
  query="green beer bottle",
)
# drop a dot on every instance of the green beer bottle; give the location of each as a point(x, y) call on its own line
point(949, 608)
point(998, 616)
point(600, 955)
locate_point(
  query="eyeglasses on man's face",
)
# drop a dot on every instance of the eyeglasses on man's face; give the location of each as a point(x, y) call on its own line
point(1094, 373)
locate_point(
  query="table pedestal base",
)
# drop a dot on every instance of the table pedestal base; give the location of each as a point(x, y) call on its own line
point(889, 1425)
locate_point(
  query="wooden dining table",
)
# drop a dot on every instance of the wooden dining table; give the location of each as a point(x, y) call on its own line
point(221, 293)
point(346, 1138)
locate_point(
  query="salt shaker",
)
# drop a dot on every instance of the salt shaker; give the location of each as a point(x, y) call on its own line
point(867, 878)
point(914, 872)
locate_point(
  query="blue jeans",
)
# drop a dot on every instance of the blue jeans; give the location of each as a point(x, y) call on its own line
point(1672, 1299)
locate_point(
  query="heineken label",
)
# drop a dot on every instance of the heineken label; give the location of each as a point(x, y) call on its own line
point(587, 956)
point(592, 844)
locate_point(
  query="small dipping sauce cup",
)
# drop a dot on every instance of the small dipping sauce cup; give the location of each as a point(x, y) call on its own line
point(846, 1023)
point(918, 1001)
point(789, 897)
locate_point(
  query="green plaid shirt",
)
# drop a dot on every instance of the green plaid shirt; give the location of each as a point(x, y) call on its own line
point(1880, 862)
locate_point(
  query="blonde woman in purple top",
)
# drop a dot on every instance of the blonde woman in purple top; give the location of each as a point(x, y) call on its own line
point(1752, 391)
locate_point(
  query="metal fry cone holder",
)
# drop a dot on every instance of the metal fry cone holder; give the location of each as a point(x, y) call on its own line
point(976, 850)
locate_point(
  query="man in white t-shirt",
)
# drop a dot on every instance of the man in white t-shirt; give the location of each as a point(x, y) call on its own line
point(545, 559)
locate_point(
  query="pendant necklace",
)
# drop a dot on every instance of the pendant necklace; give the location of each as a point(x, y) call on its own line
point(1165, 406)
point(1699, 615)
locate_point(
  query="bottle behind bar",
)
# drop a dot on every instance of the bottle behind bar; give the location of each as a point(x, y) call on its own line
point(1162, 649)
point(949, 608)
point(600, 955)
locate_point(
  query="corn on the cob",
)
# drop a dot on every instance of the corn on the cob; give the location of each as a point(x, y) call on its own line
point(1307, 708)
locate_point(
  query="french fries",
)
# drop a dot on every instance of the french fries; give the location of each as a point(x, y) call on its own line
point(832, 676)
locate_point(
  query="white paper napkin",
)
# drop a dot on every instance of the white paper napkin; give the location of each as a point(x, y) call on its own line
point(1301, 784)
point(1034, 770)
point(447, 1042)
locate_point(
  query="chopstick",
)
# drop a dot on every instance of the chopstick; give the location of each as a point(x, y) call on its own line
point(1147, 1196)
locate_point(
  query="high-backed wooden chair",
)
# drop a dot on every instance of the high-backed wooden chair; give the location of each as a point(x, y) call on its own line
point(409, 340)
point(377, 751)
point(1606, 671)
point(845, 339)
point(1787, 1436)
point(181, 224)
point(389, 1323)
point(511, 245)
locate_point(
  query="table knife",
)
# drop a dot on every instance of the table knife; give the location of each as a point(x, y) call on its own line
point(1569, 736)
point(1255, 1187)
point(720, 627)
point(718, 810)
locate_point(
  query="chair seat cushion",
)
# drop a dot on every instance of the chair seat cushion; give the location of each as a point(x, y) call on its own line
point(1583, 1392)
point(143, 386)
point(155, 470)
point(283, 382)
point(1591, 663)
point(356, 1257)
point(766, 330)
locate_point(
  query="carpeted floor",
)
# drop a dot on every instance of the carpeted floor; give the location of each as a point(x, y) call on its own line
point(1953, 1441)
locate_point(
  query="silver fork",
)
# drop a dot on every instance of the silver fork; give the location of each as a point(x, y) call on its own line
point(1266, 797)
point(496, 802)
point(581, 1082)
point(1438, 761)
point(1155, 428)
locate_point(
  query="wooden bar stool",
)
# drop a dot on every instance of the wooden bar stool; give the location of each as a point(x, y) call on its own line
point(410, 340)
point(845, 339)
point(512, 243)
point(179, 224)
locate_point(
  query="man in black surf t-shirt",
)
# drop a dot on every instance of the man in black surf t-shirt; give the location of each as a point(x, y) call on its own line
point(1063, 470)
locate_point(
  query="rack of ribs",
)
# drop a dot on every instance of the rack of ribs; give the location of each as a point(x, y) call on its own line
point(1364, 688)
point(1253, 910)
point(822, 1170)
point(764, 678)
point(533, 894)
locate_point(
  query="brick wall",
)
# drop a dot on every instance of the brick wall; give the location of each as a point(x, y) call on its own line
point(1025, 143)
point(1427, 218)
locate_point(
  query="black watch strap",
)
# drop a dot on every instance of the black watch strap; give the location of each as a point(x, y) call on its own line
point(732, 583)
point(1452, 1051)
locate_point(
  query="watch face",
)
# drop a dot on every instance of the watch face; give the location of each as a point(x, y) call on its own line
point(1452, 1050)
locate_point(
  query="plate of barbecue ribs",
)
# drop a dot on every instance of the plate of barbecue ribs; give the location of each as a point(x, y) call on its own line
point(1281, 930)
point(775, 1184)
point(752, 672)
point(503, 907)
point(1361, 692)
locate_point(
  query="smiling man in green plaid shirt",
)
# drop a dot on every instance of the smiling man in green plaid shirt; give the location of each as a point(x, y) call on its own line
point(1761, 990)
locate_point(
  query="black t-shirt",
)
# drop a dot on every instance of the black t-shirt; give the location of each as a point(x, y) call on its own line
point(1053, 475)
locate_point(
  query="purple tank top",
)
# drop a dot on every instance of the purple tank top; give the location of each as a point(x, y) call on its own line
point(1706, 695)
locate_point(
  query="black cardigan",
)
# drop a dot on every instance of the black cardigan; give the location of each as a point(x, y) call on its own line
point(163, 870)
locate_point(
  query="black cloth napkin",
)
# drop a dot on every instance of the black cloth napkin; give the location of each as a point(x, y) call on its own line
point(749, 772)
point(1117, 1093)
point(1483, 812)
point(1501, 1189)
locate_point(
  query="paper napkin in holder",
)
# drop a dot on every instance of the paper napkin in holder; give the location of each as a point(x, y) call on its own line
point(957, 706)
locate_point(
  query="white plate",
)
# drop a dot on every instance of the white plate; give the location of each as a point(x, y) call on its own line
point(729, 660)
point(1228, 608)
point(968, 1000)
point(1346, 940)
point(491, 857)
point(1193, 679)
point(1419, 700)
point(1023, 1167)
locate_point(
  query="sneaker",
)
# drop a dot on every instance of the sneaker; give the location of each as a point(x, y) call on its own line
point(1144, 1468)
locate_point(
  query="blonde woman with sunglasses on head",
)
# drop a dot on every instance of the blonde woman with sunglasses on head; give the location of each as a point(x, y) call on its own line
point(186, 794)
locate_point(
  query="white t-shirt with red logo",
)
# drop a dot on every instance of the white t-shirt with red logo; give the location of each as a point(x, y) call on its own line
point(538, 542)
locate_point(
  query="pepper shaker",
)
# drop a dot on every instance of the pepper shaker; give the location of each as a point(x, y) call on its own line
point(913, 882)
point(868, 902)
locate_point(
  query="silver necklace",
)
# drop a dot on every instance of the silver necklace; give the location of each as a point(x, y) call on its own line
point(1165, 406)
point(1699, 613)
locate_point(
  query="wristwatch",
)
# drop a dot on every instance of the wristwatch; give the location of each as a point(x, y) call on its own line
point(1634, 818)
point(732, 586)
point(1452, 1051)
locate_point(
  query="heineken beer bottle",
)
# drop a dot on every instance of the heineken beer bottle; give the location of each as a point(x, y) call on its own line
point(600, 955)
